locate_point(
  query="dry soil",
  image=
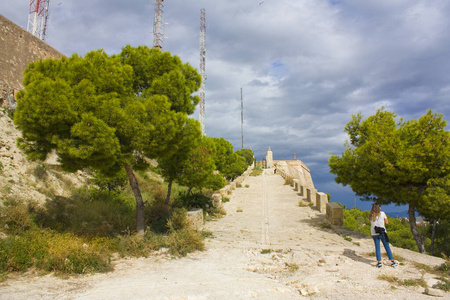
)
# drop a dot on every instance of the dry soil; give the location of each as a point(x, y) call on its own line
point(266, 247)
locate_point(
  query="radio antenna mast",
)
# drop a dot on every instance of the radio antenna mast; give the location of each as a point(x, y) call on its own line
point(38, 17)
point(242, 119)
point(202, 68)
point(158, 25)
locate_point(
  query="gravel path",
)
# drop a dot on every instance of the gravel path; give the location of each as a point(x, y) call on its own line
point(267, 247)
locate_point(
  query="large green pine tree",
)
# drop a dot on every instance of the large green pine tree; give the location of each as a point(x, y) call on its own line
point(101, 111)
point(398, 162)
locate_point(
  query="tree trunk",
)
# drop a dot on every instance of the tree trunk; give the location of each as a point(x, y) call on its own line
point(140, 218)
point(412, 223)
point(433, 235)
point(189, 191)
point(169, 190)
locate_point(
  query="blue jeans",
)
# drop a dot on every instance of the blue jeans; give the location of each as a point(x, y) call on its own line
point(377, 239)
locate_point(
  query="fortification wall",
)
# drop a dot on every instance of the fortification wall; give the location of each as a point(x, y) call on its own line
point(18, 48)
point(297, 170)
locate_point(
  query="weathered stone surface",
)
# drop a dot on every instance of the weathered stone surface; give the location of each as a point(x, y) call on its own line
point(195, 217)
point(434, 292)
point(311, 195)
point(301, 190)
point(217, 200)
point(335, 213)
point(321, 202)
point(18, 48)
point(296, 185)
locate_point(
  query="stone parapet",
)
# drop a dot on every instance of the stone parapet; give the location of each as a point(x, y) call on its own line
point(335, 213)
point(217, 200)
point(321, 202)
point(311, 195)
point(195, 217)
point(296, 185)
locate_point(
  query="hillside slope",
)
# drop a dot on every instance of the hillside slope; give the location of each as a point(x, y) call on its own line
point(21, 179)
point(266, 247)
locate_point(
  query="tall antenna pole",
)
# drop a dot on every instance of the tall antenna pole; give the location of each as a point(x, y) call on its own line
point(242, 120)
point(202, 68)
point(158, 25)
point(38, 17)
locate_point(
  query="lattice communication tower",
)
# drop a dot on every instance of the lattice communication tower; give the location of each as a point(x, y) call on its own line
point(202, 68)
point(158, 25)
point(242, 119)
point(38, 17)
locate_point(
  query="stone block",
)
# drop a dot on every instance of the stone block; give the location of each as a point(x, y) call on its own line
point(217, 200)
point(311, 195)
point(335, 213)
point(321, 202)
point(195, 217)
point(295, 181)
point(301, 190)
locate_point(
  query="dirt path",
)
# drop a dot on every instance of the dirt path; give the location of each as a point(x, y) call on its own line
point(267, 247)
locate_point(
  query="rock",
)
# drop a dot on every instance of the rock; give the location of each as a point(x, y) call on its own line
point(434, 292)
point(309, 290)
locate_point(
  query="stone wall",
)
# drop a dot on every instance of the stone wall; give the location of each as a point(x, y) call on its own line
point(18, 48)
point(303, 184)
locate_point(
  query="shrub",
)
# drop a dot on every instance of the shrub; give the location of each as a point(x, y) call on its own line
point(157, 214)
point(138, 245)
point(288, 180)
point(256, 172)
point(51, 251)
point(40, 172)
point(193, 200)
point(15, 216)
point(89, 212)
point(184, 241)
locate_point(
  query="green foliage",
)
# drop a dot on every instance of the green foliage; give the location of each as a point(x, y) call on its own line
point(89, 212)
point(101, 112)
point(40, 171)
point(357, 220)
point(184, 241)
point(256, 172)
point(51, 251)
point(114, 183)
point(402, 163)
point(194, 200)
point(15, 216)
point(137, 245)
point(443, 284)
point(248, 155)
point(398, 229)
point(197, 171)
point(157, 214)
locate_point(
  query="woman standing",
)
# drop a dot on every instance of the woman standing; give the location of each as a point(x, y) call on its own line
point(379, 219)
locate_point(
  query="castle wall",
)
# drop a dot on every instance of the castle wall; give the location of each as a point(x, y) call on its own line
point(18, 48)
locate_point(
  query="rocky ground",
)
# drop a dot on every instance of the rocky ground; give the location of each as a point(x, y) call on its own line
point(266, 247)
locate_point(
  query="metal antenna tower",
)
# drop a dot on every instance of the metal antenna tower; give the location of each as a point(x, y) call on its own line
point(202, 68)
point(37, 18)
point(158, 25)
point(242, 120)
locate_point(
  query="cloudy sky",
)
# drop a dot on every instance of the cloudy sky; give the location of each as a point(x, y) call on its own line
point(305, 66)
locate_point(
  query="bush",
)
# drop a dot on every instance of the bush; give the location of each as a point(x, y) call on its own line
point(89, 212)
point(51, 251)
point(193, 200)
point(288, 180)
point(157, 214)
point(138, 245)
point(15, 216)
point(184, 241)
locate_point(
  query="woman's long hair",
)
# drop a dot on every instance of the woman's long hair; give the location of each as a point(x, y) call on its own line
point(375, 212)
